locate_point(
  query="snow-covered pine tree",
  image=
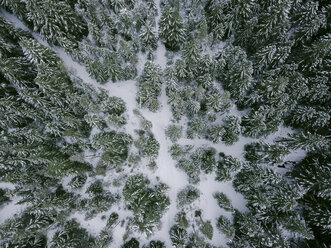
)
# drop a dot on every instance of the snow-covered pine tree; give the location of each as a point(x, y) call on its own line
point(306, 141)
point(171, 28)
point(150, 83)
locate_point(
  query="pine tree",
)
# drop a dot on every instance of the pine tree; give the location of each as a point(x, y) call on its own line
point(298, 227)
point(132, 243)
point(306, 141)
point(223, 201)
point(191, 53)
point(171, 28)
point(207, 229)
point(232, 129)
point(309, 19)
point(55, 19)
point(187, 196)
point(236, 75)
point(225, 226)
point(147, 203)
point(150, 86)
point(254, 124)
point(178, 236)
point(174, 132)
point(258, 152)
point(314, 55)
point(38, 54)
point(309, 117)
point(148, 38)
point(71, 235)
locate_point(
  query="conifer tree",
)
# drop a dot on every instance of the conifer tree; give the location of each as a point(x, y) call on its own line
point(55, 19)
point(171, 28)
point(150, 86)
point(178, 236)
point(237, 71)
point(148, 38)
point(306, 141)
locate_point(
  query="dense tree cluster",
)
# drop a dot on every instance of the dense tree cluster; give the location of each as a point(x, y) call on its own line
point(46, 119)
point(148, 203)
point(235, 70)
point(150, 83)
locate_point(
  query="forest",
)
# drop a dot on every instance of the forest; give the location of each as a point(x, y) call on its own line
point(165, 123)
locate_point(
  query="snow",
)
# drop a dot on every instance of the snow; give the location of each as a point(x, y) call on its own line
point(11, 209)
point(166, 171)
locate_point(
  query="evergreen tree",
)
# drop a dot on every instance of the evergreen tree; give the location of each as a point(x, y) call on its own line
point(174, 132)
point(148, 39)
point(187, 195)
point(223, 201)
point(258, 152)
point(178, 236)
point(225, 226)
point(55, 19)
point(71, 235)
point(150, 86)
point(132, 243)
point(171, 28)
point(237, 70)
point(147, 203)
point(309, 117)
point(306, 141)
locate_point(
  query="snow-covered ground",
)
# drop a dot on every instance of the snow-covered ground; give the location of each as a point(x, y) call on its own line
point(166, 171)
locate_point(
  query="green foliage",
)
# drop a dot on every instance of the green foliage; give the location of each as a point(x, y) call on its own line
point(190, 169)
point(313, 175)
point(274, 61)
point(254, 124)
point(3, 197)
point(103, 240)
point(155, 244)
point(195, 128)
point(181, 220)
point(191, 53)
point(298, 227)
point(223, 201)
point(205, 159)
point(113, 218)
point(236, 75)
point(132, 243)
point(306, 141)
point(55, 19)
point(71, 235)
point(150, 83)
point(147, 144)
point(187, 196)
point(98, 201)
point(178, 236)
point(148, 39)
point(176, 151)
point(148, 204)
point(226, 227)
point(171, 28)
point(258, 152)
point(77, 181)
point(174, 132)
point(38, 54)
point(215, 133)
point(218, 102)
point(226, 166)
point(207, 229)
point(232, 129)
point(309, 117)
point(114, 145)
